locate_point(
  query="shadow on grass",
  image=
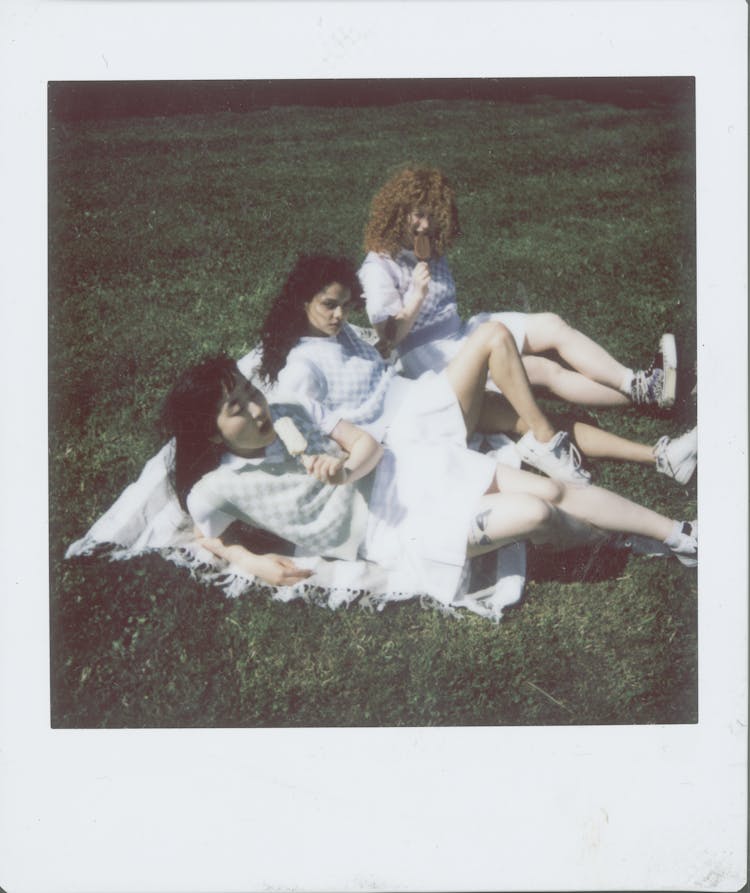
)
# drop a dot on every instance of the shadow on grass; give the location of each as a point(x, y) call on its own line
point(581, 565)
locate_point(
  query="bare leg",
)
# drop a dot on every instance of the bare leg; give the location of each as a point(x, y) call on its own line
point(497, 415)
point(594, 505)
point(547, 331)
point(610, 511)
point(504, 518)
point(571, 386)
point(598, 444)
point(491, 347)
point(527, 506)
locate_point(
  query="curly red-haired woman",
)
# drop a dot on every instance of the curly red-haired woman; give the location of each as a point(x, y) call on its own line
point(411, 300)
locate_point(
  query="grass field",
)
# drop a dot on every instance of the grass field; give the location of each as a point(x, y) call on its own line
point(167, 239)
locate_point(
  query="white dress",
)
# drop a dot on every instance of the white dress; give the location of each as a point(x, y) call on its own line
point(328, 377)
point(147, 518)
point(427, 491)
point(420, 500)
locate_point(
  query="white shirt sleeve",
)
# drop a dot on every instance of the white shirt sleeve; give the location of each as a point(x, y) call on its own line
point(300, 377)
point(250, 363)
point(380, 284)
point(209, 520)
point(302, 383)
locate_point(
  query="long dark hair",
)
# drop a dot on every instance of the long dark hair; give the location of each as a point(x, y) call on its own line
point(286, 322)
point(189, 415)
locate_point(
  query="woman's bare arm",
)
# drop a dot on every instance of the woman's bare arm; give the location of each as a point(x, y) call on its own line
point(364, 453)
point(278, 570)
point(394, 329)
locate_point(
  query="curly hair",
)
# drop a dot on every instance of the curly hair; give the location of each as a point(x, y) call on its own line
point(189, 415)
point(412, 188)
point(286, 321)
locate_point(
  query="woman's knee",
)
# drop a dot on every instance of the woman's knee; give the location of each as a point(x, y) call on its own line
point(547, 489)
point(547, 328)
point(495, 335)
point(552, 491)
point(539, 513)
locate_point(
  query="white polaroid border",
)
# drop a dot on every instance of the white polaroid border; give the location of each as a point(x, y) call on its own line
point(244, 810)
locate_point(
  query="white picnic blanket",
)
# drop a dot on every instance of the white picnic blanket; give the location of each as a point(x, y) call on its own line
point(148, 518)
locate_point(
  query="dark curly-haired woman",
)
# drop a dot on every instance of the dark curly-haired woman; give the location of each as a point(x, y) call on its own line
point(316, 357)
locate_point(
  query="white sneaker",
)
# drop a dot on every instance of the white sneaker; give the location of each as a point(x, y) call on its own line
point(686, 550)
point(677, 458)
point(558, 458)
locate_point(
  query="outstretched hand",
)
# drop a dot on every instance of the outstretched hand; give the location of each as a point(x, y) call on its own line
point(278, 570)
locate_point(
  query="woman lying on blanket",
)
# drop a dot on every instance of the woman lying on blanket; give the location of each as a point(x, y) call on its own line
point(418, 507)
point(409, 288)
point(314, 355)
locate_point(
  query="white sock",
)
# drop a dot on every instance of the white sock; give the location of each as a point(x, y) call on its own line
point(627, 381)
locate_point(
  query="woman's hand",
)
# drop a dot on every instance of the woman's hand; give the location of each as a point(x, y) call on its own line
point(278, 570)
point(327, 469)
point(364, 451)
point(420, 280)
point(393, 330)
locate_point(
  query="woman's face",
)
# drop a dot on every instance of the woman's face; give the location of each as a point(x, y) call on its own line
point(243, 422)
point(418, 221)
point(327, 310)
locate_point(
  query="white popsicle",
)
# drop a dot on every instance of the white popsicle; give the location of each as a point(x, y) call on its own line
point(290, 436)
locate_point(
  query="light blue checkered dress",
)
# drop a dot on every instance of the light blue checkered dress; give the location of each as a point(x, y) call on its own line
point(411, 515)
point(438, 331)
point(385, 281)
point(342, 374)
point(275, 493)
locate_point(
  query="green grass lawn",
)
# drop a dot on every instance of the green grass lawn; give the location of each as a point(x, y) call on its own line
point(168, 239)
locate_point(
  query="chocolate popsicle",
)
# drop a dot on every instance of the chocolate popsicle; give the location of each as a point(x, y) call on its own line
point(422, 248)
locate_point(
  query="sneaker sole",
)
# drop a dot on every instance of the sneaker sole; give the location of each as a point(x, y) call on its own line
point(539, 465)
point(684, 477)
point(668, 349)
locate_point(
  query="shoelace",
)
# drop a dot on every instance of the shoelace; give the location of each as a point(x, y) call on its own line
point(656, 363)
point(574, 455)
point(672, 468)
point(640, 390)
point(662, 456)
point(575, 460)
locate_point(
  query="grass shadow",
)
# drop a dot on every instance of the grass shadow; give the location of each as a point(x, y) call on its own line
point(585, 564)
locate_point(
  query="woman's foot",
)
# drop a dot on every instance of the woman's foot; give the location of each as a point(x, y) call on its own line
point(677, 458)
point(684, 544)
point(558, 458)
point(657, 385)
